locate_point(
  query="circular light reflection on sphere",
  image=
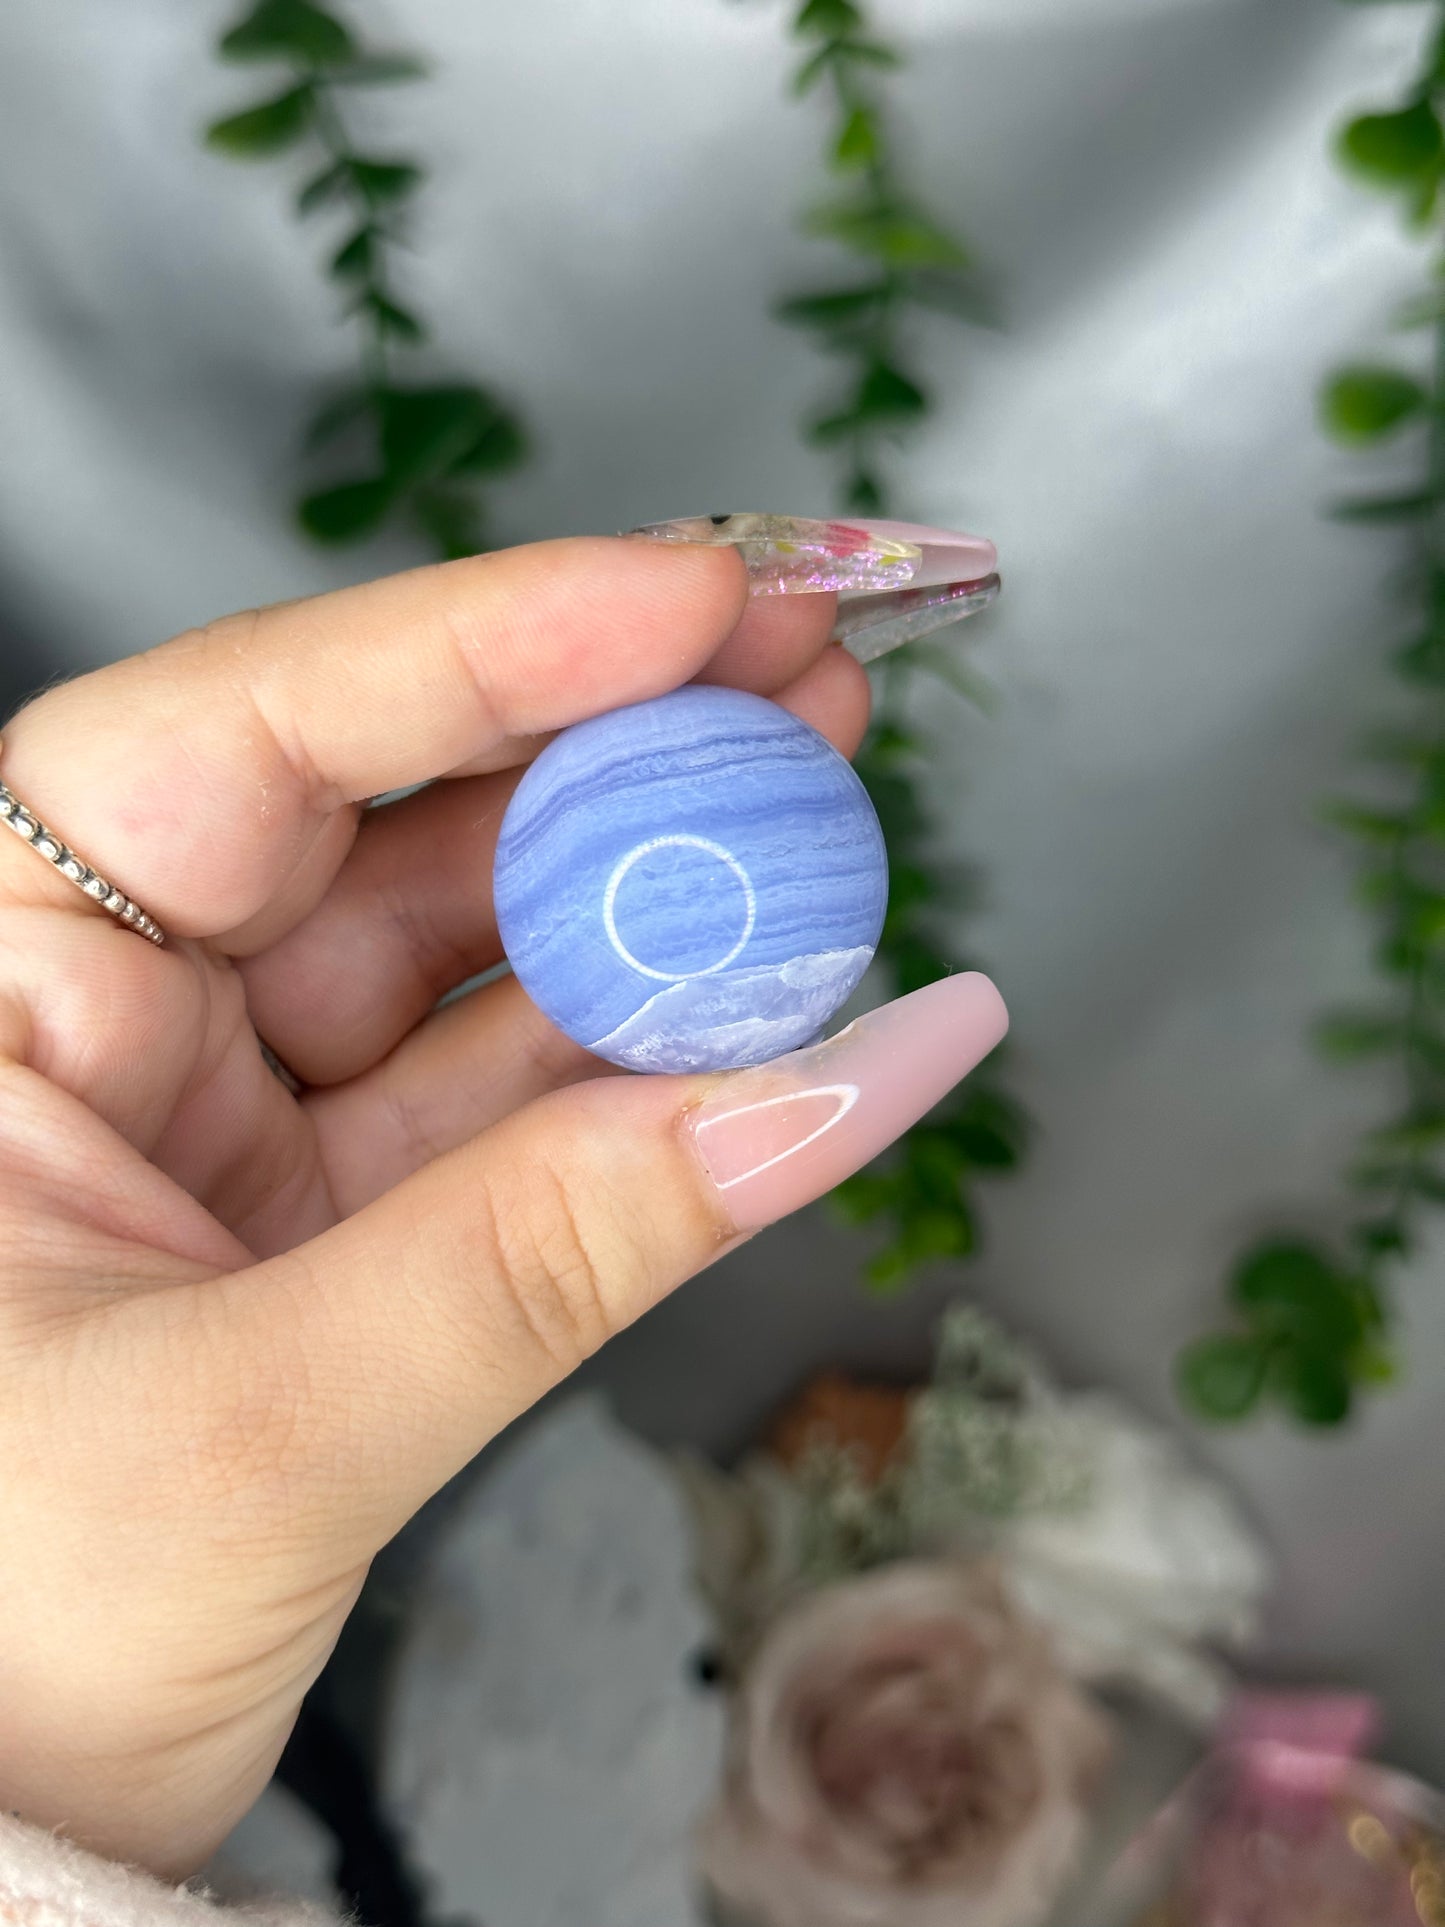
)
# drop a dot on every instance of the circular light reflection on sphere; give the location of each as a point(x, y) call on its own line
point(690, 884)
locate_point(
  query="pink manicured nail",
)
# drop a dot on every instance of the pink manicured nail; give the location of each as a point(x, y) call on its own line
point(948, 554)
point(792, 555)
point(775, 1138)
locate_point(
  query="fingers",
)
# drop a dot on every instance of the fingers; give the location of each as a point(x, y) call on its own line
point(773, 643)
point(832, 694)
point(410, 915)
point(204, 775)
point(424, 1323)
point(473, 1063)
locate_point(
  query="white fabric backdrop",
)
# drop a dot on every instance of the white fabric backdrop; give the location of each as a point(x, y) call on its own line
point(1183, 657)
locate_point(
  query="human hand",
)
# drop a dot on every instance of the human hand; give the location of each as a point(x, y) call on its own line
point(245, 1332)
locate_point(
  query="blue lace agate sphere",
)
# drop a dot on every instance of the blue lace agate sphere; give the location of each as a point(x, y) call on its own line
point(693, 883)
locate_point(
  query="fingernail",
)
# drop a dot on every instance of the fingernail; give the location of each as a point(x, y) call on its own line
point(948, 555)
point(870, 626)
point(790, 555)
point(897, 580)
point(775, 1138)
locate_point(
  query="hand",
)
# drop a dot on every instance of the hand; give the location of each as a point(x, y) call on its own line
point(245, 1333)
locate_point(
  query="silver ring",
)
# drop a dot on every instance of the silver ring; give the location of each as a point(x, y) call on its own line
point(28, 826)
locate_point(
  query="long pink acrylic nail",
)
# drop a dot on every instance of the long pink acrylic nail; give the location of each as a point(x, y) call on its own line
point(775, 1138)
point(947, 555)
point(793, 555)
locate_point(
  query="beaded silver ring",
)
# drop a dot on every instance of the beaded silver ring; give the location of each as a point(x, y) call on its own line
point(28, 827)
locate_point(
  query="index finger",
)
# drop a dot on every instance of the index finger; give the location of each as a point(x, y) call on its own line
point(204, 774)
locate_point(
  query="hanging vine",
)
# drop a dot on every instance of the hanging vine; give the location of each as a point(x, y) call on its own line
point(401, 450)
point(1309, 1325)
point(921, 1192)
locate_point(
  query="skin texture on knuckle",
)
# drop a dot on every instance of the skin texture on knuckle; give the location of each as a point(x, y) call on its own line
point(555, 1253)
point(594, 1224)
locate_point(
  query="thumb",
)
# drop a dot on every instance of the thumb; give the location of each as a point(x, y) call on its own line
point(421, 1326)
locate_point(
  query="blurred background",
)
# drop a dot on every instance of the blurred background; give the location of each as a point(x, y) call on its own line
point(1183, 657)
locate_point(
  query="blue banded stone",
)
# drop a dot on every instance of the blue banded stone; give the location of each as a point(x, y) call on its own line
point(692, 883)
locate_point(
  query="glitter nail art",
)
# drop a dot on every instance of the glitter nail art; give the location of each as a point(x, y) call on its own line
point(790, 555)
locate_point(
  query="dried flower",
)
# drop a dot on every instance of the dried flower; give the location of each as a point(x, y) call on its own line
point(904, 1754)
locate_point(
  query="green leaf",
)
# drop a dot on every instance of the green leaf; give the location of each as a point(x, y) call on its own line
point(1395, 1177)
point(338, 414)
point(889, 741)
point(326, 186)
point(864, 1196)
point(1222, 1376)
point(1365, 404)
point(814, 68)
point(827, 429)
point(1404, 146)
point(382, 70)
point(1426, 919)
point(886, 393)
point(917, 964)
point(832, 310)
point(857, 144)
point(1314, 1383)
point(1284, 1267)
point(934, 1169)
point(984, 1144)
point(1374, 826)
point(430, 432)
point(909, 884)
point(356, 257)
point(289, 29)
point(1422, 1132)
point(886, 1274)
point(870, 52)
point(899, 237)
point(1373, 1365)
point(499, 445)
point(392, 319)
point(1349, 1034)
point(1382, 1237)
point(863, 494)
point(450, 522)
point(828, 18)
point(991, 1108)
point(382, 181)
point(1291, 1289)
point(425, 430)
point(1422, 661)
point(266, 128)
point(348, 512)
point(1383, 508)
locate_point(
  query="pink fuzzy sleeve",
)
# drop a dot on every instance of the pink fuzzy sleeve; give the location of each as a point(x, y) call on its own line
point(47, 1882)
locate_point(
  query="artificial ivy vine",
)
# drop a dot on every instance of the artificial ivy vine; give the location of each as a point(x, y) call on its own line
point(405, 451)
point(1309, 1326)
point(922, 1189)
